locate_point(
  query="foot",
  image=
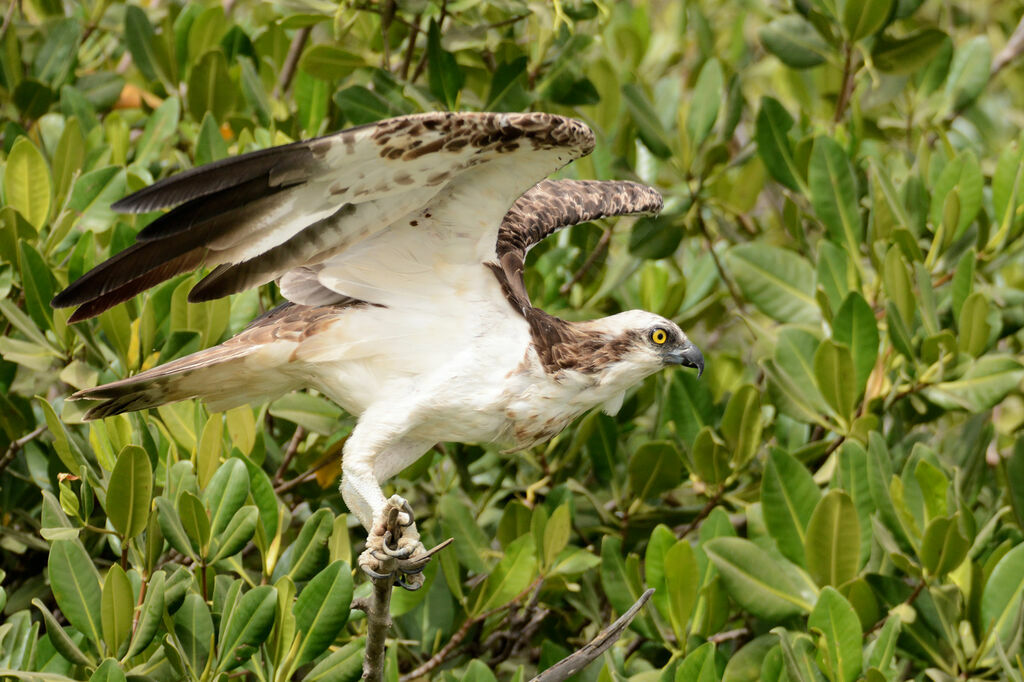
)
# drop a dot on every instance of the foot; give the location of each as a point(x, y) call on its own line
point(393, 547)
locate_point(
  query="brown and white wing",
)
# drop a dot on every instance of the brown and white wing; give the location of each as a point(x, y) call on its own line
point(554, 204)
point(295, 208)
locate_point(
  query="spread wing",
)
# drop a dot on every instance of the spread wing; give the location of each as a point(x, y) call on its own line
point(553, 204)
point(367, 212)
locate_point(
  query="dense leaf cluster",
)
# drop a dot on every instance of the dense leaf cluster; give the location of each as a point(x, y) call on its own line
point(841, 497)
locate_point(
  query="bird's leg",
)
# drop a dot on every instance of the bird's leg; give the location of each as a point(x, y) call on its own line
point(393, 545)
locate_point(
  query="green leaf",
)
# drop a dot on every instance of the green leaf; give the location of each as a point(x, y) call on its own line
point(974, 328)
point(556, 534)
point(141, 41)
point(237, 534)
point(969, 72)
point(754, 579)
point(76, 586)
point(246, 627)
point(108, 671)
point(322, 610)
point(57, 56)
point(445, 77)
point(961, 178)
point(28, 186)
point(834, 193)
point(225, 494)
point(508, 91)
point(117, 607)
point(649, 128)
point(161, 126)
point(699, 666)
point(854, 326)
point(457, 522)
point(833, 367)
point(620, 588)
point(773, 145)
point(742, 425)
point(795, 42)
point(360, 105)
point(309, 552)
point(150, 616)
point(840, 630)
point(909, 54)
point(329, 63)
point(129, 492)
point(211, 445)
point(193, 626)
point(788, 498)
point(511, 576)
point(986, 382)
point(682, 580)
point(863, 19)
point(832, 545)
point(195, 521)
point(654, 468)
point(343, 665)
point(92, 195)
point(778, 281)
point(60, 639)
point(173, 529)
point(705, 102)
point(210, 87)
point(1001, 597)
point(944, 546)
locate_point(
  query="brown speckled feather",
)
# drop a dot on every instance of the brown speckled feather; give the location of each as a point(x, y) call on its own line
point(546, 208)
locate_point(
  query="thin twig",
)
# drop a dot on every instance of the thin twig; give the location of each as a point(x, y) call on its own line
point(722, 274)
point(7, 18)
point(575, 662)
point(17, 445)
point(701, 515)
point(599, 248)
point(847, 87)
point(1013, 49)
point(908, 601)
point(289, 453)
point(291, 62)
point(729, 635)
point(410, 48)
point(440, 657)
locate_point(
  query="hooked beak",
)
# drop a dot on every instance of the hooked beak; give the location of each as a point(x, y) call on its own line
point(687, 355)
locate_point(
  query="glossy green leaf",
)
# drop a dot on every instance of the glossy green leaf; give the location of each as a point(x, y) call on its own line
point(649, 128)
point(789, 497)
point(193, 627)
point(246, 627)
point(779, 282)
point(832, 544)
point(195, 521)
point(863, 19)
point(833, 369)
point(309, 551)
point(210, 87)
point(682, 580)
point(511, 576)
point(910, 53)
point(116, 609)
point(237, 534)
point(343, 665)
point(60, 638)
point(699, 666)
point(774, 148)
point(172, 528)
point(834, 193)
point(944, 546)
point(28, 186)
point(445, 76)
point(795, 42)
point(76, 587)
point(986, 382)
point(226, 492)
point(329, 63)
point(969, 72)
point(129, 492)
point(556, 534)
point(108, 671)
point(654, 468)
point(322, 610)
point(840, 632)
point(150, 616)
point(742, 425)
point(854, 326)
point(961, 178)
point(754, 579)
point(706, 100)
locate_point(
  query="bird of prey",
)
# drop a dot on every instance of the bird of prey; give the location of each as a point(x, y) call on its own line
point(399, 248)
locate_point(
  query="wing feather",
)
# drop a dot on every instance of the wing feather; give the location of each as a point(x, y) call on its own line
point(261, 214)
point(551, 205)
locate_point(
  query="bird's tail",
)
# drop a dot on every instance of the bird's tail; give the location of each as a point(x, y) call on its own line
point(224, 376)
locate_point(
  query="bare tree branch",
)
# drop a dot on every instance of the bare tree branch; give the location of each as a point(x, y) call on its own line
point(573, 663)
point(1013, 49)
point(17, 445)
point(292, 60)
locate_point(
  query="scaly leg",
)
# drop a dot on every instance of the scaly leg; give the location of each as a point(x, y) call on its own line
point(369, 458)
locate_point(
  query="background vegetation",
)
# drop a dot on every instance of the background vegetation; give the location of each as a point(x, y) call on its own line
point(841, 497)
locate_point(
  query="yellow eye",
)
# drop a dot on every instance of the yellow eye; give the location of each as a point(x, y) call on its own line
point(659, 336)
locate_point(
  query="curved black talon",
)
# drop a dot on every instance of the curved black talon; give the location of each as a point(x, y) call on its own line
point(409, 586)
point(374, 574)
point(398, 553)
point(407, 508)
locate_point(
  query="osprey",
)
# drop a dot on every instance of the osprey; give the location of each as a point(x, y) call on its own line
point(399, 247)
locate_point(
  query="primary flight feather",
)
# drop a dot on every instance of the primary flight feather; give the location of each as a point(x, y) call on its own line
point(399, 247)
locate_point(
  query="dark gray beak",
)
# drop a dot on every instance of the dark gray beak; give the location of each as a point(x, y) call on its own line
point(687, 355)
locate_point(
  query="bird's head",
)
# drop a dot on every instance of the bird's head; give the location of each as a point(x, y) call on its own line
point(645, 342)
